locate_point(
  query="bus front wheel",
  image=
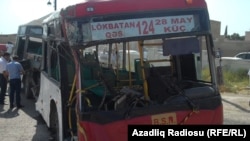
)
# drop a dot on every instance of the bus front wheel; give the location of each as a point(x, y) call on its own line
point(54, 123)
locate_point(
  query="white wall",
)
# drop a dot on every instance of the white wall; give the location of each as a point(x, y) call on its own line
point(236, 64)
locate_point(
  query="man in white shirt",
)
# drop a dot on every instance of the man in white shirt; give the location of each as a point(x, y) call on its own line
point(9, 47)
point(3, 76)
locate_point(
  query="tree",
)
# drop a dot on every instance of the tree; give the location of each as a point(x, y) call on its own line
point(225, 34)
point(235, 36)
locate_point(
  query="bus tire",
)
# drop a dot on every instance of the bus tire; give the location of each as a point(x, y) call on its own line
point(54, 123)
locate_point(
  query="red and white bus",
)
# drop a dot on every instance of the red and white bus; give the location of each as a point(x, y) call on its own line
point(158, 68)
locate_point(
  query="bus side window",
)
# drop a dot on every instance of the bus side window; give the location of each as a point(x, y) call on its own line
point(54, 66)
point(44, 62)
point(51, 30)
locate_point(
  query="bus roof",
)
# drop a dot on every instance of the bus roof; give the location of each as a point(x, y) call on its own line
point(52, 16)
point(37, 22)
point(100, 7)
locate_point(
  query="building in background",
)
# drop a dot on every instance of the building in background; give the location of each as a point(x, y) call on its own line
point(4, 38)
point(215, 28)
point(228, 47)
point(247, 36)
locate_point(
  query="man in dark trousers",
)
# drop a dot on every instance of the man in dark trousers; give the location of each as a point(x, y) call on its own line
point(14, 71)
point(3, 76)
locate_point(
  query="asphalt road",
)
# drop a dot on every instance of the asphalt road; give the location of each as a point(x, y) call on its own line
point(26, 125)
point(22, 124)
point(236, 108)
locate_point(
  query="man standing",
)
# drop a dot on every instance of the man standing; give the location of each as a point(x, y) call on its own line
point(9, 47)
point(15, 70)
point(3, 76)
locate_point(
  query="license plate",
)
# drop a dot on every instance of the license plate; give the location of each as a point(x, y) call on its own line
point(164, 119)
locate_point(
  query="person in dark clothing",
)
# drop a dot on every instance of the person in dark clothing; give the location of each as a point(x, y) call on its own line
point(14, 71)
point(3, 76)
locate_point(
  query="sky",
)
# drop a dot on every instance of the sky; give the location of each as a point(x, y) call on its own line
point(231, 13)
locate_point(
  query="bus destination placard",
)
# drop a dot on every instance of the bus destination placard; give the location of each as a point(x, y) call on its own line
point(139, 27)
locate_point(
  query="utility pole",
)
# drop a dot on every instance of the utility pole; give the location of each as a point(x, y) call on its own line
point(55, 4)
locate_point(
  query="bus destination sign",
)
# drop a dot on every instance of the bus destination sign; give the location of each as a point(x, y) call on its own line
point(138, 27)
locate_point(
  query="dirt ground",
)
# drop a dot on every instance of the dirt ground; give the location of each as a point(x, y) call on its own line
point(236, 107)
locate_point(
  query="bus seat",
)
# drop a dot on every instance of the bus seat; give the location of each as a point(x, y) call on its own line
point(138, 70)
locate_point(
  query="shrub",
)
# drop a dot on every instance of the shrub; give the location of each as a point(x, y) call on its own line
point(234, 81)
